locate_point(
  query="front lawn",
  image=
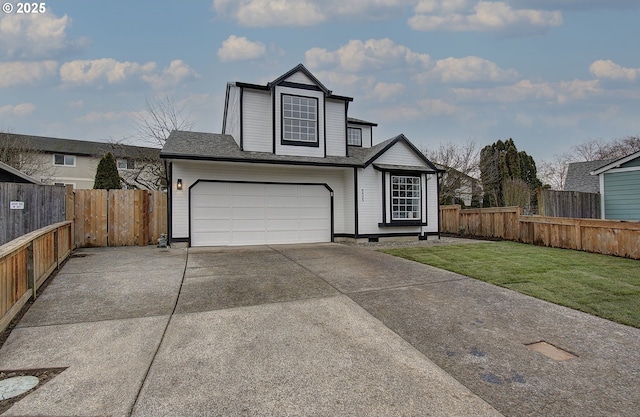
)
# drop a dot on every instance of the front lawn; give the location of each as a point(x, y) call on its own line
point(601, 285)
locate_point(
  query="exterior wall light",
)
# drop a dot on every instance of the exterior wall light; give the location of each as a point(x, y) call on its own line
point(179, 184)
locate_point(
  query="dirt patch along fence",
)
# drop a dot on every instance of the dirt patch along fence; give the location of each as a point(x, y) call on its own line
point(28, 207)
point(610, 237)
point(26, 262)
point(118, 217)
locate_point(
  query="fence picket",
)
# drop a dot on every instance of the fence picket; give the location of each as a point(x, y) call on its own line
point(612, 237)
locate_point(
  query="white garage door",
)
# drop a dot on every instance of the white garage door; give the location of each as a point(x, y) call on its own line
point(224, 213)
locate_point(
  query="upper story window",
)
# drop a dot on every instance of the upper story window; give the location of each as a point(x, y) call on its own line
point(64, 160)
point(354, 136)
point(405, 197)
point(299, 120)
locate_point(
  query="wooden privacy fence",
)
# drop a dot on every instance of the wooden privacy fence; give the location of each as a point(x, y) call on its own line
point(118, 217)
point(28, 207)
point(26, 262)
point(573, 204)
point(610, 237)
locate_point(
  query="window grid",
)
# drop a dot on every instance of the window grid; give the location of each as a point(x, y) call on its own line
point(405, 198)
point(354, 136)
point(299, 118)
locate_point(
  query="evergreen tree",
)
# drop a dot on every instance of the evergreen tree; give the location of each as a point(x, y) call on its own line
point(501, 163)
point(107, 177)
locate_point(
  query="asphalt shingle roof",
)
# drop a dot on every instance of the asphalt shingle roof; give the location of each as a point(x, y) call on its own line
point(219, 147)
point(80, 147)
point(580, 179)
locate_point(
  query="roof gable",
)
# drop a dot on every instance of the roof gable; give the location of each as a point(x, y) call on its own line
point(378, 150)
point(303, 72)
point(17, 176)
point(618, 163)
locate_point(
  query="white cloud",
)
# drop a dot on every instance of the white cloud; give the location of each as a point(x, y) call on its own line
point(262, 13)
point(265, 13)
point(610, 70)
point(108, 70)
point(525, 90)
point(85, 72)
point(19, 110)
point(25, 73)
point(467, 69)
point(33, 36)
point(372, 54)
point(176, 73)
point(492, 16)
point(384, 91)
point(236, 48)
point(78, 104)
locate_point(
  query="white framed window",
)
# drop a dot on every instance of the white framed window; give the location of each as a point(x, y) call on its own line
point(300, 120)
point(64, 160)
point(405, 197)
point(354, 136)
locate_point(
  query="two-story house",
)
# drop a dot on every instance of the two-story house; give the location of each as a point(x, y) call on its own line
point(75, 162)
point(290, 166)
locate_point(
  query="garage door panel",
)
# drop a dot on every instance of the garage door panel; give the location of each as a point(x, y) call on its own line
point(246, 213)
point(205, 213)
point(256, 225)
point(251, 214)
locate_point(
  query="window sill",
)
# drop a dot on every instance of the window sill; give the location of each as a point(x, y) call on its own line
point(402, 223)
point(286, 142)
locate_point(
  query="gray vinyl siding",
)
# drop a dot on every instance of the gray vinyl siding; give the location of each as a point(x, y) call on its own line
point(232, 124)
point(336, 133)
point(300, 78)
point(256, 121)
point(622, 195)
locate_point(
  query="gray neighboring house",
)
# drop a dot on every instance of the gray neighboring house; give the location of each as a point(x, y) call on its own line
point(579, 176)
point(69, 161)
point(619, 186)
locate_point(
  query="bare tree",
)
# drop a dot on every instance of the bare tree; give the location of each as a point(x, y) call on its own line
point(460, 162)
point(554, 172)
point(144, 169)
point(159, 118)
point(16, 151)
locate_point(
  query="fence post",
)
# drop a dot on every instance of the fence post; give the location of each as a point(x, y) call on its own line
point(56, 245)
point(578, 234)
point(31, 275)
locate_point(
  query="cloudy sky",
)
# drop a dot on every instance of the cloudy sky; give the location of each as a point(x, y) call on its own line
point(547, 73)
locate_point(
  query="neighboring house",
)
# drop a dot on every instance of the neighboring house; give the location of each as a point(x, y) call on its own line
point(459, 188)
point(10, 174)
point(579, 176)
point(619, 185)
point(68, 161)
point(290, 166)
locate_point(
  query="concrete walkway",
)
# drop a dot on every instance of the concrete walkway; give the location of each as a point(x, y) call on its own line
point(308, 330)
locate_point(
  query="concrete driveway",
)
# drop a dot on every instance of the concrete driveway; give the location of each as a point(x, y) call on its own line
point(311, 330)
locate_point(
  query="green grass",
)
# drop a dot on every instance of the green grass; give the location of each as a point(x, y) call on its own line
point(601, 285)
